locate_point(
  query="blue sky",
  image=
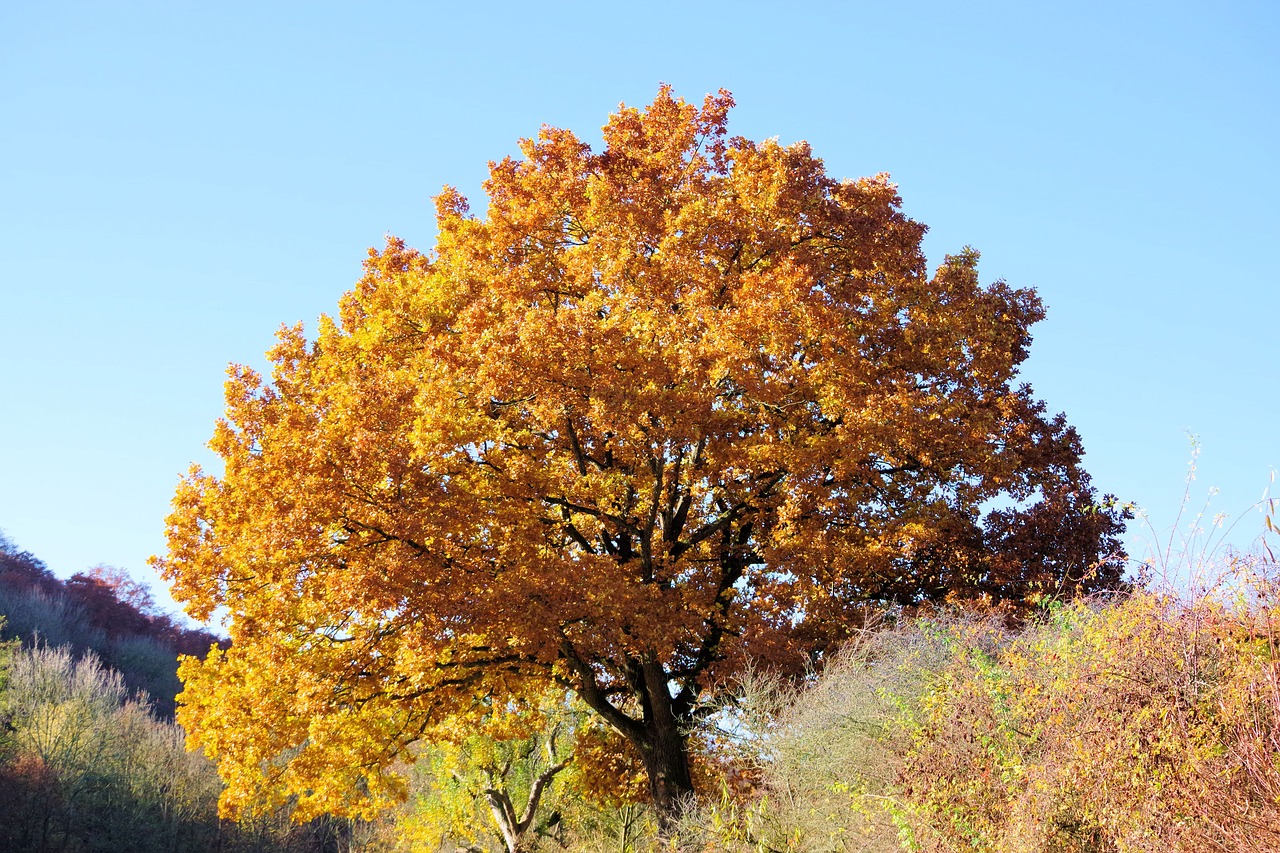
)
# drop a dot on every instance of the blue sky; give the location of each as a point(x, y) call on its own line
point(176, 180)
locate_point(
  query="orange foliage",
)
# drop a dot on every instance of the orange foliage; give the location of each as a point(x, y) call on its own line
point(662, 410)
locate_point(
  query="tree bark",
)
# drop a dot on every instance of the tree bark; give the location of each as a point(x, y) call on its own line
point(665, 753)
point(664, 744)
point(659, 734)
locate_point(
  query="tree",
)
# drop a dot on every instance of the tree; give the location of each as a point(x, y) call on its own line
point(663, 410)
point(493, 775)
point(111, 600)
point(23, 570)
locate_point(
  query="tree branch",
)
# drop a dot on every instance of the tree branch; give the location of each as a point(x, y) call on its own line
point(594, 695)
point(616, 520)
point(535, 794)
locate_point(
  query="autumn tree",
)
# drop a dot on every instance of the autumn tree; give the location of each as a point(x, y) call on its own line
point(661, 410)
point(22, 570)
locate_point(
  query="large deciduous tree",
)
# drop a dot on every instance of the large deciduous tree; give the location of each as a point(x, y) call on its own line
point(662, 410)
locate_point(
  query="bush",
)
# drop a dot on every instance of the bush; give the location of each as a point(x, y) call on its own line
point(1147, 722)
point(35, 615)
point(94, 769)
point(1151, 723)
point(148, 667)
point(826, 757)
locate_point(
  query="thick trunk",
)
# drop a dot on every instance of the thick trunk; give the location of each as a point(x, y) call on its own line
point(665, 752)
point(659, 733)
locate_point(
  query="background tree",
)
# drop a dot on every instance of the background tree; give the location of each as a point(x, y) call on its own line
point(23, 570)
point(662, 410)
point(492, 782)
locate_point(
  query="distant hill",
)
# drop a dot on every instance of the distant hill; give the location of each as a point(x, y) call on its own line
point(103, 611)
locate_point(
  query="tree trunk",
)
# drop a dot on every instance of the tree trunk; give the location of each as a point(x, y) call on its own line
point(664, 744)
point(659, 734)
point(665, 753)
point(515, 830)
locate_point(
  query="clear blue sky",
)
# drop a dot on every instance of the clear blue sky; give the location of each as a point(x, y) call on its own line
point(178, 179)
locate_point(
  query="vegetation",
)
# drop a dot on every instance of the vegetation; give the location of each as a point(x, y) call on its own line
point(669, 506)
point(90, 759)
point(663, 412)
point(102, 612)
point(1147, 720)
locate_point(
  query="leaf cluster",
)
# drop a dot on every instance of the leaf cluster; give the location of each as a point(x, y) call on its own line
point(663, 409)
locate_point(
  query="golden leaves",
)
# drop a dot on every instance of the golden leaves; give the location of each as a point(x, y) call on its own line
point(666, 402)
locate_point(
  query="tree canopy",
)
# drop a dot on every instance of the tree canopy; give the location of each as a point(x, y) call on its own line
point(661, 411)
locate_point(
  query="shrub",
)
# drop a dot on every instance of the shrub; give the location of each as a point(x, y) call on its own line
point(827, 756)
point(1145, 724)
point(93, 769)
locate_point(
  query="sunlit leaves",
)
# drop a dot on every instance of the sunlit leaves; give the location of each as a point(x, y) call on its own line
point(661, 410)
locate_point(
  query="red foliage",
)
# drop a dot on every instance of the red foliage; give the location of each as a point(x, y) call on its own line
point(30, 797)
point(22, 570)
point(110, 599)
point(121, 606)
point(103, 606)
